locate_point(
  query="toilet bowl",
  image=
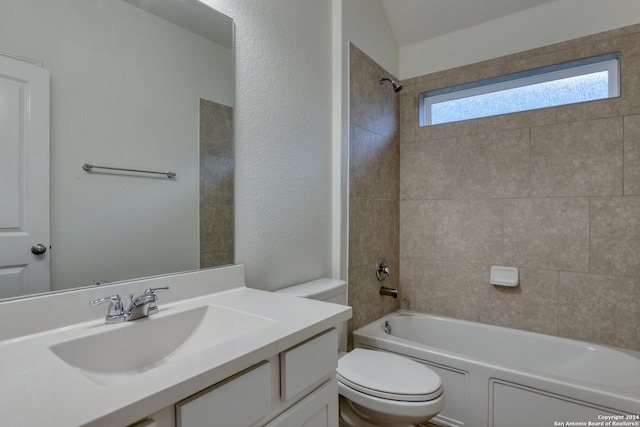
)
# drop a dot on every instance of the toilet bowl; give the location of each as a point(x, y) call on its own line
point(383, 389)
point(377, 389)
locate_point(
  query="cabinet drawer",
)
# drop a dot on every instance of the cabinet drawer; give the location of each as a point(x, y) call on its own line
point(307, 363)
point(238, 401)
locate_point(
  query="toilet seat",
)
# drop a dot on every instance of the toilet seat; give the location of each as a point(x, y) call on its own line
point(388, 376)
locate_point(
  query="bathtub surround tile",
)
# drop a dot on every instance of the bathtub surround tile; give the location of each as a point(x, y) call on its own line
point(627, 333)
point(217, 180)
point(407, 283)
point(632, 156)
point(445, 130)
point(520, 120)
point(531, 306)
point(470, 231)
point(449, 289)
point(494, 165)
point(630, 82)
point(216, 128)
point(408, 114)
point(591, 110)
point(591, 309)
point(549, 233)
point(577, 159)
point(216, 259)
point(418, 228)
point(374, 164)
point(217, 228)
point(374, 168)
point(216, 184)
point(504, 65)
point(364, 296)
point(629, 49)
point(615, 235)
point(373, 230)
point(625, 44)
point(374, 106)
point(427, 169)
point(562, 206)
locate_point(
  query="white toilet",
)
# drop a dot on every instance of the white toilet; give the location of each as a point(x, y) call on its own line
point(376, 388)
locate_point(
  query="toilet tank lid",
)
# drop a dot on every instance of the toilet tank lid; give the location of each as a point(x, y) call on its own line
point(319, 289)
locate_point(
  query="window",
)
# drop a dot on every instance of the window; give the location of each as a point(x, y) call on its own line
point(578, 81)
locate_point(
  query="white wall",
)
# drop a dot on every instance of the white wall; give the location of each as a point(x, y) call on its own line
point(291, 109)
point(283, 139)
point(365, 25)
point(536, 27)
point(124, 92)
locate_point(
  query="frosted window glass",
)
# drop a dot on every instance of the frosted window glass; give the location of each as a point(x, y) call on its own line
point(587, 87)
point(583, 80)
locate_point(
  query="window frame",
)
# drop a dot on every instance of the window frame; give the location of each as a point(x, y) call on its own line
point(609, 63)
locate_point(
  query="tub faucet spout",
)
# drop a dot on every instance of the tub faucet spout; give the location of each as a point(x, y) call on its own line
point(392, 292)
point(387, 327)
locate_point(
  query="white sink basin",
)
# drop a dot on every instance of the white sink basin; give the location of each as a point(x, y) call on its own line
point(120, 351)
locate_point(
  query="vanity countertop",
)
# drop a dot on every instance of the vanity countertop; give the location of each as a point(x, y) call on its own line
point(38, 388)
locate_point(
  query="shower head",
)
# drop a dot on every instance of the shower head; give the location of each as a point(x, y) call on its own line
point(397, 87)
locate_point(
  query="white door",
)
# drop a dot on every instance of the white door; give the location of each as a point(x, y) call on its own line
point(24, 178)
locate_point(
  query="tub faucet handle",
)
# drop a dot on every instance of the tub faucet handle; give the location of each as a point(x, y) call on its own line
point(382, 270)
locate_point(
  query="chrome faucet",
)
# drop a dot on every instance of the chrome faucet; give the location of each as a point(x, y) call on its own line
point(141, 306)
point(390, 292)
point(116, 312)
point(383, 272)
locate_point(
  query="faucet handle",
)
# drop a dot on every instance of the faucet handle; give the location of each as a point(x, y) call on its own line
point(382, 270)
point(153, 307)
point(152, 291)
point(115, 314)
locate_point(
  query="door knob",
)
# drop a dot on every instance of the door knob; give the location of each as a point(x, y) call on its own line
point(38, 249)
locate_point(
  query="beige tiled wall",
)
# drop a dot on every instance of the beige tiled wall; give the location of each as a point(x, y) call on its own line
point(216, 184)
point(554, 192)
point(374, 177)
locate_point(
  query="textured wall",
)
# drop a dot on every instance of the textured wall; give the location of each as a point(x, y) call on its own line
point(374, 155)
point(216, 184)
point(283, 139)
point(553, 192)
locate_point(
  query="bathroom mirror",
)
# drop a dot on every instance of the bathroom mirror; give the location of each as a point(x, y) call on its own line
point(134, 84)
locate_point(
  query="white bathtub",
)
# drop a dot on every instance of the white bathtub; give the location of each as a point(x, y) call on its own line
point(502, 377)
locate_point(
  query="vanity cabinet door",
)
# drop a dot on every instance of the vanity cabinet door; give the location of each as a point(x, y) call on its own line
point(236, 402)
point(308, 363)
point(319, 409)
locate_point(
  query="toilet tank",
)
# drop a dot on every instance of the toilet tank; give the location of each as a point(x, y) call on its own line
point(328, 290)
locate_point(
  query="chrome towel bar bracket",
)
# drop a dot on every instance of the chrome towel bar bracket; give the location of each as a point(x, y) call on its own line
point(88, 167)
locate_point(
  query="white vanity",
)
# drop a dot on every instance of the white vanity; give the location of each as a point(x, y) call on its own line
point(216, 353)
